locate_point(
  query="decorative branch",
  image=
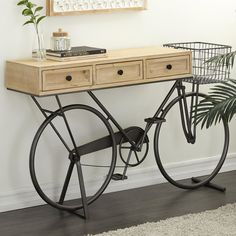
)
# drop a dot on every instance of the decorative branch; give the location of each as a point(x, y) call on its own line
point(32, 11)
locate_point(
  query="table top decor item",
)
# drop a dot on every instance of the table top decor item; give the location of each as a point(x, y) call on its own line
point(76, 53)
point(32, 12)
point(60, 41)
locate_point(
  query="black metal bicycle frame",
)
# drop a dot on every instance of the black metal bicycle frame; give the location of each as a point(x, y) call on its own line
point(186, 113)
point(187, 116)
point(187, 120)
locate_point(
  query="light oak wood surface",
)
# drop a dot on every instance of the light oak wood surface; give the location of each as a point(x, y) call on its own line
point(138, 65)
point(56, 79)
point(119, 72)
point(162, 67)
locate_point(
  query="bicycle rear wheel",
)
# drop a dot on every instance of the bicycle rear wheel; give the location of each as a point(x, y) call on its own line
point(53, 158)
point(178, 159)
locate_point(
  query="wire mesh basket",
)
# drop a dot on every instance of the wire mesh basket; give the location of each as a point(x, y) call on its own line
point(205, 73)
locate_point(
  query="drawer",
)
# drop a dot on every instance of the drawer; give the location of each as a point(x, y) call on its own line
point(169, 66)
point(119, 72)
point(67, 78)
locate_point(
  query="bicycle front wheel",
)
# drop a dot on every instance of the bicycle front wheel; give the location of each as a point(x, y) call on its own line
point(179, 159)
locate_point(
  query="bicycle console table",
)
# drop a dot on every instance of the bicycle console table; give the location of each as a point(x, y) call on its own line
point(119, 68)
point(97, 149)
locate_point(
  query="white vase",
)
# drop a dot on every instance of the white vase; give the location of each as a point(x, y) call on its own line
point(38, 50)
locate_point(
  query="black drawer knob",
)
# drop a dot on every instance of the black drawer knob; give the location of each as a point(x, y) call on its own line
point(169, 67)
point(68, 77)
point(120, 72)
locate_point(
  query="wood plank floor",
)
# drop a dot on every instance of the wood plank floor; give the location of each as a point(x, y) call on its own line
point(119, 210)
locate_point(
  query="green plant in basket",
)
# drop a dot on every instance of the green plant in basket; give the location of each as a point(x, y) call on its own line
point(221, 101)
point(33, 13)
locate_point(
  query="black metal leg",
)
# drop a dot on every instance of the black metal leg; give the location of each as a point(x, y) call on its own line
point(66, 183)
point(82, 189)
point(77, 159)
point(209, 184)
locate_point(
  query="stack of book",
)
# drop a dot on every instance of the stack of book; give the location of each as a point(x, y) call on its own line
point(76, 53)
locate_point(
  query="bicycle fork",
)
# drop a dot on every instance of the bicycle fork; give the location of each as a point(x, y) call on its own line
point(188, 112)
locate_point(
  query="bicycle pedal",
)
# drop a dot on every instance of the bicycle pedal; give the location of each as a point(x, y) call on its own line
point(118, 176)
point(153, 120)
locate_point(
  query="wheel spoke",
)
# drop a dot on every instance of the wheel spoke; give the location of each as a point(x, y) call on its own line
point(66, 183)
point(96, 166)
point(59, 136)
point(125, 147)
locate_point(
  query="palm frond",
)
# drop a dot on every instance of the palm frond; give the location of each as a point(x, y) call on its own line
point(223, 60)
point(219, 104)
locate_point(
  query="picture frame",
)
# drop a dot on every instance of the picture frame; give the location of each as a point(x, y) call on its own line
point(76, 7)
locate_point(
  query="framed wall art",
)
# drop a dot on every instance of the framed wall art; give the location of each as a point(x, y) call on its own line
point(74, 7)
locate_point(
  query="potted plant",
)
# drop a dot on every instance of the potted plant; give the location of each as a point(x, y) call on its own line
point(32, 12)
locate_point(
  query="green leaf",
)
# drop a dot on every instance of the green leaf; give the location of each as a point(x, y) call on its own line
point(38, 9)
point(31, 10)
point(220, 104)
point(223, 60)
point(30, 5)
point(23, 2)
point(28, 22)
point(39, 19)
point(27, 12)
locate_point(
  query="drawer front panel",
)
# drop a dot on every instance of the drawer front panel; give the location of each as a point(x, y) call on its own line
point(162, 67)
point(119, 72)
point(67, 78)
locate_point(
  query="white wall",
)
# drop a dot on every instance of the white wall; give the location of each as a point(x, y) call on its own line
point(164, 21)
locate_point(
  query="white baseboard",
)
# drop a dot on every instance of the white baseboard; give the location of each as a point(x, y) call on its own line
point(152, 175)
point(137, 177)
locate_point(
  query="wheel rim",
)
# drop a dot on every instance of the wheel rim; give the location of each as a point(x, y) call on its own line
point(91, 165)
point(164, 168)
